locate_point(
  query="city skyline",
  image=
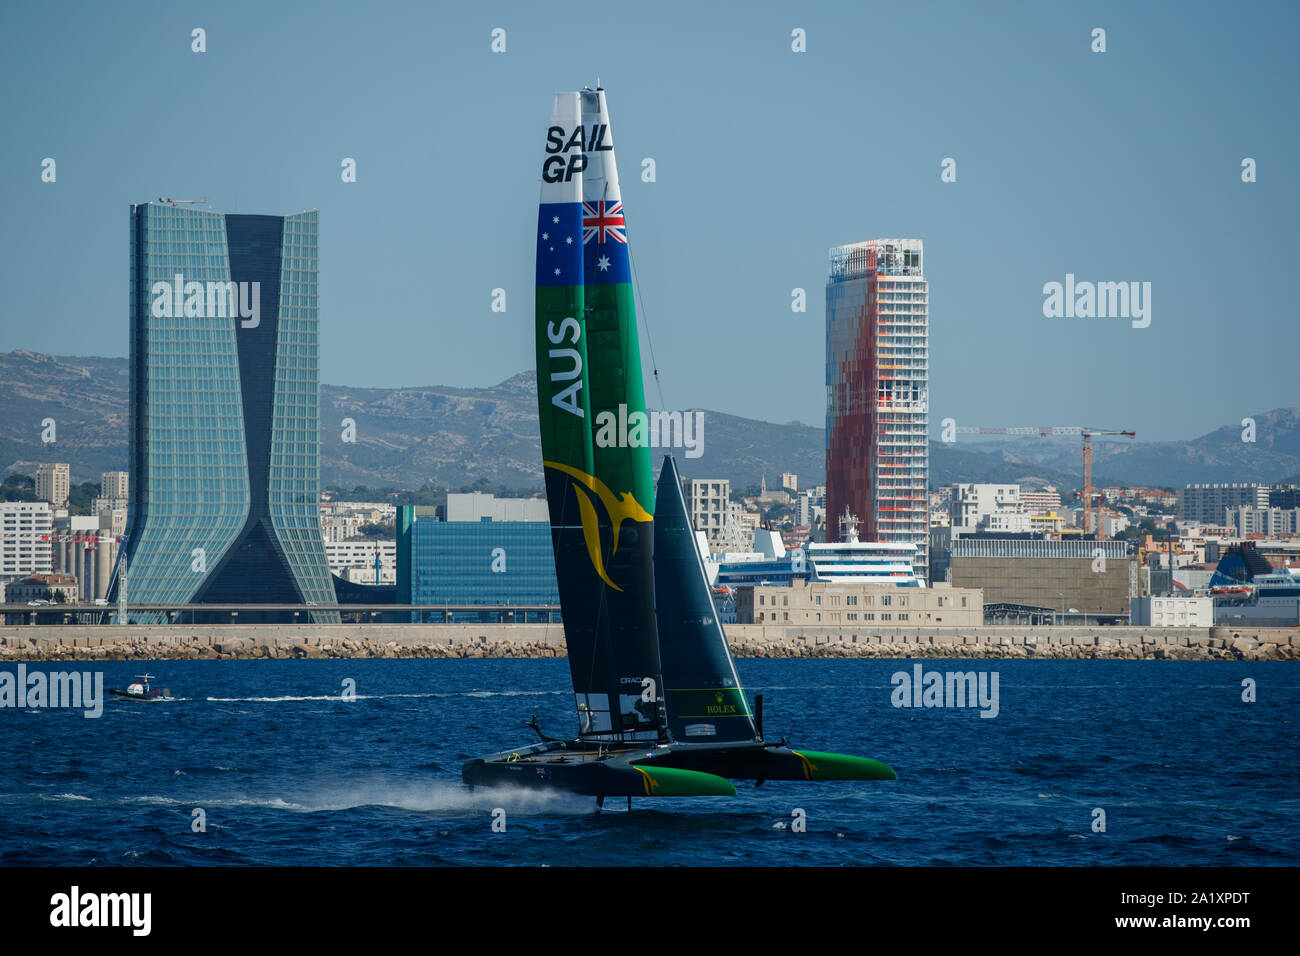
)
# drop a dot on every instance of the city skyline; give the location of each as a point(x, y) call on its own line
point(1059, 173)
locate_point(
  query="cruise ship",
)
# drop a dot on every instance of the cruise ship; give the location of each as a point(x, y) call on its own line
point(849, 560)
point(1270, 600)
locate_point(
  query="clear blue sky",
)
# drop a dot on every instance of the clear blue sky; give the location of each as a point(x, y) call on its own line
point(1116, 166)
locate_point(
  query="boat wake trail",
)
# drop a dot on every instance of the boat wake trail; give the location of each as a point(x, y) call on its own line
point(338, 697)
point(437, 799)
point(446, 799)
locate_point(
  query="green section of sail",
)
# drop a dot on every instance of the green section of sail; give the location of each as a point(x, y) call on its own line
point(614, 353)
point(566, 436)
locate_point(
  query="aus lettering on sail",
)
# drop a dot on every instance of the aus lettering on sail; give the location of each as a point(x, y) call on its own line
point(570, 397)
point(555, 168)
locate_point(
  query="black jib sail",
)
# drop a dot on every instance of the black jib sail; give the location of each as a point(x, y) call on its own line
point(704, 699)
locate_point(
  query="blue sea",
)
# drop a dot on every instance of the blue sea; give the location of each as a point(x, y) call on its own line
point(287, 773)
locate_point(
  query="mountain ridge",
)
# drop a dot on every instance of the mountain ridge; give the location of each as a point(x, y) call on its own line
point(413, 436)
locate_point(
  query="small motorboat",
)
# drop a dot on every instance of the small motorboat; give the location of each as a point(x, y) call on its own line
point(142, 688)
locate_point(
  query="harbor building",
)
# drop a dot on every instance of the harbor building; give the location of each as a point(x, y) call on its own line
point(51, 588)
point(495, 564)
point(803, 602)
point(1036, 581)
point(877, 392)
point(1155, 611)
point(224, 412)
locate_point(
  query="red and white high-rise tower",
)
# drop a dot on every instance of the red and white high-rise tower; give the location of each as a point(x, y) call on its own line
point(878, 392)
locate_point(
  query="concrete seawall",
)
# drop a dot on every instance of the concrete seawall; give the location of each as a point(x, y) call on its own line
point(291, 641)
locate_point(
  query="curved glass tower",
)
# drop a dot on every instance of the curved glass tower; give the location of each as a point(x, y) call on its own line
point(225, 408)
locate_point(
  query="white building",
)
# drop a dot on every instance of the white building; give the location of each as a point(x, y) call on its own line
point(810, 506)
point(476, 506)
point(26, 528)
point(1043, 502)
point(337, 528)
point(709, 503)
point(980, 507)
point(355, 560)
point(370, 512)
point(1266, 521)
point(115, 485)
point(1171, 611)
point(53, 483)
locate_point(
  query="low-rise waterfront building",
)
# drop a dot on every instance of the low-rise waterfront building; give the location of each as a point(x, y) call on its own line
point(1038, 580)
point(803, 602)
point(52, 587)
point(497, 564)
point(1157, 611)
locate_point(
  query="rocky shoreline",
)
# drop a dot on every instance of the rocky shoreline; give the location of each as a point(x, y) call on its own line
point(127, 646)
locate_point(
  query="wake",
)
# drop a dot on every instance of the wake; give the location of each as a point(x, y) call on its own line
point(339, 697)
point(434, 798)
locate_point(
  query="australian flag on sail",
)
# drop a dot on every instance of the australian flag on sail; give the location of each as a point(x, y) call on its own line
point(604, 243)
point(559, 243)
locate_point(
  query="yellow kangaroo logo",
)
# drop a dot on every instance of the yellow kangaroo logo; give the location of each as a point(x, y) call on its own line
point(619, 507)
point(647, 781)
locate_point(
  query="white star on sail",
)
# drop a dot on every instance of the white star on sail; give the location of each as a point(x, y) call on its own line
point(602, 263)
point(569, 240)
point(557, 272)
point(555, 219)
point(546, 235)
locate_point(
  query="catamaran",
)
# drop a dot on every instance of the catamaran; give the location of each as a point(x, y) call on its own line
point(661, 709)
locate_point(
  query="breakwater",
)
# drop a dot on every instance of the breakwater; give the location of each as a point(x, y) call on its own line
point(309, 641)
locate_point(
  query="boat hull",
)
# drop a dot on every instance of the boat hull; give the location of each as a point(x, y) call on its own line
point(143, 698)
point(661, 769)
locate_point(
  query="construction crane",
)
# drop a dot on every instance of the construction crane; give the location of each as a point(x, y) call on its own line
point(1042, 431)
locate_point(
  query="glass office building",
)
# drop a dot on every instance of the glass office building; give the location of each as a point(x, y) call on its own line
point(225, 407)
point(498, 565)
point(878, 393)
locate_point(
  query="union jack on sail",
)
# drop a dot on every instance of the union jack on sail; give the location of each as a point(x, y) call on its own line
point(603, 220)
